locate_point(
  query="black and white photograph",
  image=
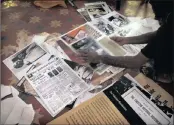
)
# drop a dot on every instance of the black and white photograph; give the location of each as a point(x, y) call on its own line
point(83, 12)
point(89, 44)
point(97, 10)
point(84, 72)
point(116, 19)
point(103, 26)
point(24, 59)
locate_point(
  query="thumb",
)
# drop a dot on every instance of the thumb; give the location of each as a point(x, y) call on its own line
point(115, 38)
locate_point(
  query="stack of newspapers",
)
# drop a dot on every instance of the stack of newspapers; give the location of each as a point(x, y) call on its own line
point(49, 69)
point(109, 22)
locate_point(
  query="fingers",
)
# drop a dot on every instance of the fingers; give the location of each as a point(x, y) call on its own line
point(116, 38)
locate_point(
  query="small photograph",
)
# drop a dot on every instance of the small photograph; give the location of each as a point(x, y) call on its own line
point(97, 10)
point(85, 14)
point(123, 85)
point(55, 72)
point(118, 20)
point(50, 74)
point(30, 75)
point(103, 26)
point(75, 35)
point(24, 58)
point(88, 44)
point(84, 72)
point(59, 69)
point(169, 111)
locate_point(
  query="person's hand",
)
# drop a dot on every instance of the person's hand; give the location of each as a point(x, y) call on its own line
point(91, 57)
point(120, 40)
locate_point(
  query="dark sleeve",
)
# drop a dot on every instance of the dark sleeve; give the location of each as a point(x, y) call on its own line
point(160, 39)
point(147, 51)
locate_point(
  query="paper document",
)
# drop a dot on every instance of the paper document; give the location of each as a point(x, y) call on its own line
point(20, 62)
point(14, 110)
point(97, 9)
point(56, 84)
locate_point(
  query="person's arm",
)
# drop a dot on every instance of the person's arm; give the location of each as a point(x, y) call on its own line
point(141, 39)
point(132, 62)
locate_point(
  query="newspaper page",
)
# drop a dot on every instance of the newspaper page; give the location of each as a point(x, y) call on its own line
point(81, 32)
point(83, 12)
point(20, 62)
point(141, 101)
point(97, 9)
point(48, 80)
point(97, 111)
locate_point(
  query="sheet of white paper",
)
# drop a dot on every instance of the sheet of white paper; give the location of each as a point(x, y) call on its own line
point(5, 90)
point(15, 114)
point(84, 97)
point(39, 39)
point(7, 106)
point(44, 105)
point(27, 115)
point(15, 92)
point(149, 22)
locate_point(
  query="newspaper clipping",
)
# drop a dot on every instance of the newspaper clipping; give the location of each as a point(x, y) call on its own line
point(97, 9)
point(79, 33)
point(48, 80)
point(104, 26)
point(116, 19)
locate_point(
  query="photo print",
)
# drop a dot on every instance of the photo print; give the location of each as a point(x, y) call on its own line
point(83, 12)
point(103, 26)
point(97, 10)
point(84, 72)
point(20, 62)
point(89, 44)
point(116, 19)
point(79, 33)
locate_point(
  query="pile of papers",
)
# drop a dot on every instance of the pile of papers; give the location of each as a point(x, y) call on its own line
point(49, 68)
point(112, 23)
